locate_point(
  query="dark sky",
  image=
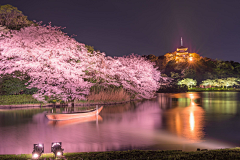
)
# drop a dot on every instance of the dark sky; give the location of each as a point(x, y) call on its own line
point(210, 28)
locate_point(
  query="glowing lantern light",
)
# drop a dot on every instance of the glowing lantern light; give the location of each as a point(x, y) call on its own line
point(56, 148)
point(38, 149)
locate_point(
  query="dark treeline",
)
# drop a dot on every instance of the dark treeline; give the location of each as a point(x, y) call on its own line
point(201, 69)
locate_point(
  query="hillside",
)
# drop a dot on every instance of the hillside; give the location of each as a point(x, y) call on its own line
point(200, 69)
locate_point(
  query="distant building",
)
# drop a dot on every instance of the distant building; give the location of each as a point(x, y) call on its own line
point(181, 55)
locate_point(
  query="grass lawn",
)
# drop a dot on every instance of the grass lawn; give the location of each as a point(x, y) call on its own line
point(28, 99)
point(139, 154)
point(17, 99)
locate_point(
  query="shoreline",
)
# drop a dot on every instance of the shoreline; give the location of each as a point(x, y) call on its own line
point(50, 105)
point(204, 91)
point(231, 153)
point(82, 104)
point(214, 91)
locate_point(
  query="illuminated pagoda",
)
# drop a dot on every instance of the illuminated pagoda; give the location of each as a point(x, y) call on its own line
point(181, 51)
point(181, 55)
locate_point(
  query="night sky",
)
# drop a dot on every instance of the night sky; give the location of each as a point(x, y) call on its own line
point(121, 27)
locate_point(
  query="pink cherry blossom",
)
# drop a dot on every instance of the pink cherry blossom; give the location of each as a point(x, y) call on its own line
point(61, 67)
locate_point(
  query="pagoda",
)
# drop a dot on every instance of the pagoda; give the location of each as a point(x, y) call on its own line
point(181, 52)
point(180, 55)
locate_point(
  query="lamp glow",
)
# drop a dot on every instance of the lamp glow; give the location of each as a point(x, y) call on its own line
point(59, 153)
point(38, 149)
point(35, 156)
point(56, 148)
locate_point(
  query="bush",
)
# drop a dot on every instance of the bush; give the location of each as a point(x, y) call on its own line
point(173, 89)
point(12, 86)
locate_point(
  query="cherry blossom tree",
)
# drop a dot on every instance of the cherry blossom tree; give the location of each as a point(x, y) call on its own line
point(133, 73)
point(138, 76)
point(55, 62)
point(60, 67)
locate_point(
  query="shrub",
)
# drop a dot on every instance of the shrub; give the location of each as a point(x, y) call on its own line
point(173, 89)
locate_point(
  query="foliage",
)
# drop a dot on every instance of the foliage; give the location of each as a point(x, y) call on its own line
point(173, 88)
point(196, 89)
point(12, 18)
point(11, 85)
point(189, 73)
point(91, 49)
point(223, 82)
point(170, 67)
point(208, 82)
point(163, 75)
point(152, 58)
point(188, 81)
point(174, 75)
point(201, 69)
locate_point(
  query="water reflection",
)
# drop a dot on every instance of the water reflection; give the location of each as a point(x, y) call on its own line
point(17, 117)
point(172, 121)
point(164, 100)
point(220, 102)
point(186, 122)
point(185, 118)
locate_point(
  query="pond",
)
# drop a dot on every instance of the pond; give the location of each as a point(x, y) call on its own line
point(183, 121)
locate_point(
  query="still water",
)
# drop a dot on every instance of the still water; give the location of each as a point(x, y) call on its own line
point(184, 121)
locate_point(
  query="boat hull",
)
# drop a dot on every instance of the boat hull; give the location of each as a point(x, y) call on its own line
point(75, 121)
point(68, 116)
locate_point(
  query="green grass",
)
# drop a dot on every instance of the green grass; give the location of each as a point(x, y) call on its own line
point(213, 89)
point(139, 154)
point(17, 99)
point(28, 99)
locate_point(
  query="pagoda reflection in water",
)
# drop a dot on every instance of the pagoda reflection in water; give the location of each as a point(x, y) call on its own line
point(184, 117)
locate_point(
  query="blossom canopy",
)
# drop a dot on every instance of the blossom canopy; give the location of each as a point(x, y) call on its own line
point(61, 67)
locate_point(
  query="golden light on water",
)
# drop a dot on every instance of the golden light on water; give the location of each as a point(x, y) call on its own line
point(178, 124)
point(191, 96)
point(185, 116)
point(192, 121)
point(192, 99)
point(186, 121)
